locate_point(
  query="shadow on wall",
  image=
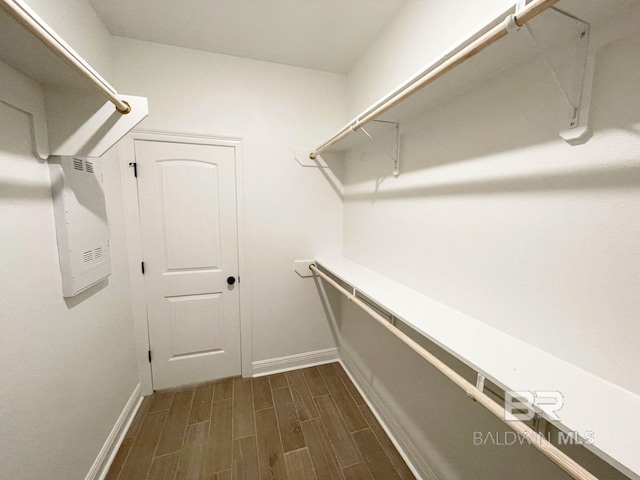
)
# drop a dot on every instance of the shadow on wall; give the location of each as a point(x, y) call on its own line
point(330, 300)
point(454, 437)
point(482, 141)
point(20, 189)
point(437, 417)
point(587, 179)
point(333, 173)
point(499, 136)
point(71, 302)
point(87, 104)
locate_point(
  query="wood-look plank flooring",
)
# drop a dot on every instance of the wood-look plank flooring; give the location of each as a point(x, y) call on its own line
point(309, 424)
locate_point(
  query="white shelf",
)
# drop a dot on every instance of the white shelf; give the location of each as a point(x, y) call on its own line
point(605, 20)
point(81, 122)
point(591, 404)
point(26, 53)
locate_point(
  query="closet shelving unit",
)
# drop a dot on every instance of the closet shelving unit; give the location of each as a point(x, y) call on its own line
point(592, 408)
point(84, 115)
point(564, 34)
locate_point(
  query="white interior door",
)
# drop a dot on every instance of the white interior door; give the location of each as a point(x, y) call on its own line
point(187, 195)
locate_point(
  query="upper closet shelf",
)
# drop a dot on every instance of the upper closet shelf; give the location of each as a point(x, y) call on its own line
point(563, 36)
point(84, 114)
point(592, 407)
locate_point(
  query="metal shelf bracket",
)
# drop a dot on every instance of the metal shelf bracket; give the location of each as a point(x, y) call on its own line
point(394, 154)
point(571, 65)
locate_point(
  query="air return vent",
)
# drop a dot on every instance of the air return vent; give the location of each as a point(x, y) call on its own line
point(81, 222)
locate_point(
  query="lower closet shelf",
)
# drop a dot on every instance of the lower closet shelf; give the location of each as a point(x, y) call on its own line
point(595, 409)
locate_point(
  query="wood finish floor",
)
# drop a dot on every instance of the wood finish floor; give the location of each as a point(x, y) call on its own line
point(309, 424)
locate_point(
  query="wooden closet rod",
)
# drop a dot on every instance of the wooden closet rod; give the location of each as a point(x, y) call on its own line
point(512, 21)
point(558, 457)
point(37, 26)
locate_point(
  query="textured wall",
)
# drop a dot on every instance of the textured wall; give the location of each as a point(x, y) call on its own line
point(290, 212)
point(494, 215)
point(68, 366)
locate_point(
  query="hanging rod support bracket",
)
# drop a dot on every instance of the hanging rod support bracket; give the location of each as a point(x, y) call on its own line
point(511, 24)
point(571, 65)
point(394, 154)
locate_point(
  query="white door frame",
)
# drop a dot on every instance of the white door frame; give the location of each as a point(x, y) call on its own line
point(134, 245)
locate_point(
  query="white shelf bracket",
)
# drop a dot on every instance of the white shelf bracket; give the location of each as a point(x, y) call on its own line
point(302, 157)
point(394, 155)
point(303, 268)
point(538, 423)
point(571, 66)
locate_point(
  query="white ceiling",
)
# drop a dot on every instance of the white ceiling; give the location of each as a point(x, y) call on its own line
point(326, 35)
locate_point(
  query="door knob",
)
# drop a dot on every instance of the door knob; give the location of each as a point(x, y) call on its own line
point(231, 280)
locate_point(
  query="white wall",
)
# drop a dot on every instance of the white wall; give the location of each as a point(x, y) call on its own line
point(419, 33)
point(68, 366)
point(515, 228)
point(79, 25)
point(290, 212)
point(497, 217)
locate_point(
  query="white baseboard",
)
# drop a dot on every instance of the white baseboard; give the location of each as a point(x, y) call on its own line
point(293, 362)
point(108, 452)
point(407, 449)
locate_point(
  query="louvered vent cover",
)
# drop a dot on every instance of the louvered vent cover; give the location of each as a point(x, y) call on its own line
point(81, 222)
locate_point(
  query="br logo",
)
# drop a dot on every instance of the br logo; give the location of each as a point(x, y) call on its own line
point(521, 405)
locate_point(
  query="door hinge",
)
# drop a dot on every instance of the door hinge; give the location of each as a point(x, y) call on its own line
point(135, 168)
point(149, 356)
point(142, 266)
